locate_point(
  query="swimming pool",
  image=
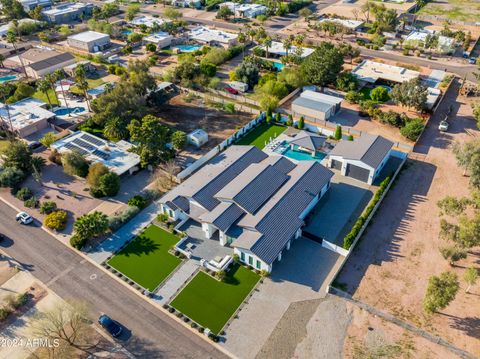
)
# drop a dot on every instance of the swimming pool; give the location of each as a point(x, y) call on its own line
point(298, 155)
point(7, 78)
point(127, 32)
point(277, 65)
point(188, 48)
point(63, 111)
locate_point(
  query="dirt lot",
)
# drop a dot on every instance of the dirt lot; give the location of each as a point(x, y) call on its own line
point(399, 252)
point(188, 116)
point(457, 10)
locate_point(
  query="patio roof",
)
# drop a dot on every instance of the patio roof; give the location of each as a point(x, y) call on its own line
point(309, 140)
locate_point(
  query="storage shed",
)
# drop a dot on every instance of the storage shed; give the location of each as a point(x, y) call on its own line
point(197, 138)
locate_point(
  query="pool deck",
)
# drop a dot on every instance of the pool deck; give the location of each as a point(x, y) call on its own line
point(271, 148)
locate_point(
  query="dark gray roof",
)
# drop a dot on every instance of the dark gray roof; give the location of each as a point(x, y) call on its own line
point(313, 105)
point(309, 140)
point(281, 163)
point(279, 219)
point(223, 216)
point(369, 149)
point(182, 203)
point(205, 195)
point(52, 61)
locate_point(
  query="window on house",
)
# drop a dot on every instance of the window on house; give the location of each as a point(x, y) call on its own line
point(259, 265)
point(242, 256)
point(250, 260)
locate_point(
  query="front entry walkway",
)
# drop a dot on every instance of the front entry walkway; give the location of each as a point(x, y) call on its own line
point(172, 285)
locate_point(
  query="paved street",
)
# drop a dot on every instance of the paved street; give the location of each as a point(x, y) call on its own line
point(149, 334)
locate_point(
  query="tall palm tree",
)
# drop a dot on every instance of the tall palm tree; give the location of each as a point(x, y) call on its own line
point(12, 38)
point(287, 45)
point(82, 83)
point(267, 42)
point(4, 92)
point(59, 75)
point(50, 79)
point(2, 58)
point(44, 86)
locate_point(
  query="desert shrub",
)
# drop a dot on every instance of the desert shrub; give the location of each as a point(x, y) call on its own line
point(354, 96)
point(48, 207)
point(11, 177)
point(115, 222)
point(24, 193)
point(379, 94)
point(412, 129)
point(32, 202)
point(56, 220)
point(138, 201)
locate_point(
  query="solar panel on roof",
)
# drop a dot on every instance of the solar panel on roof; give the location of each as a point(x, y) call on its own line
point(84, 144)
point(72, 147)
point(101, 154)
point(92, 140)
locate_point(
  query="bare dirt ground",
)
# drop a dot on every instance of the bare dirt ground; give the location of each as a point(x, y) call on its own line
point(399, 252)
point(188, 116)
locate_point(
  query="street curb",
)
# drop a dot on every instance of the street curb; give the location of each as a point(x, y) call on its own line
point(147, 299)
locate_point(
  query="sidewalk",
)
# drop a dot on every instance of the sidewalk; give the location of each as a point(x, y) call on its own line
point(168, 290)
point(110, 245)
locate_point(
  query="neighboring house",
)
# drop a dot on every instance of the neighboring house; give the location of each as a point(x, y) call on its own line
point(159, 39)
point(197, 138)
point(245, 10)
point(69, 12)
point(70, 70)
point(277, 49)
point(362, 158)
point(26, 116)
point(212, 37)
point(148, 21)
point(353, 25)
point(99, 90)
point(115, 156)
point(187, 3)
point(4, 29)
point(371, 71)
point(419, 38)
point(316, 105)
point(250, 201)
point(39, 61)
point(29, 5)
point(89, 41)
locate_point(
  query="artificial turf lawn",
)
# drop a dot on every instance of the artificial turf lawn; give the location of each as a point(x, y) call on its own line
point(210, 302)
point(146, 260)
point(261, 134)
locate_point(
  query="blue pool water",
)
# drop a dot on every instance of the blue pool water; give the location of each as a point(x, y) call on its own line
point(7, 78)
point(295, 154)
point(126, 32)
point(188, 48)
point(278, 66)
point(65, 111)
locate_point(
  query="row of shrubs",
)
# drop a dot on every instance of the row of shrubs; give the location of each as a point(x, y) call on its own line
point(194, 325)
point(13, 302)
point(135, 205)
point(350, 237)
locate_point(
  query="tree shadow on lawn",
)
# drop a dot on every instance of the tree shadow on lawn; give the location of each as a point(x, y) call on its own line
point(383, 238)
point(469, 325)
point(141, 245)
point(230, 275)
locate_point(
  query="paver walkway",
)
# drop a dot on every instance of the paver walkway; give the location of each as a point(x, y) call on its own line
point(120, 237)
point(166, 291)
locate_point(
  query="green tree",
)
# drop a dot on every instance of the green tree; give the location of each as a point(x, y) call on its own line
point(109, 184)
point(346, 81)
point(179, 140)
point(82, 83)
point(441, 290)
point(411, 93)
point(453, 254)
point(452, 206)
point(95, 172)
point(12, 9)
point(208, 69)
point(134, 37)
point(88, 226)
point(132, 10)
point(305, 13)
point(338, 133)
point(22, 91)
point(75, 164)
point(224, 13)
point(412, 129)
point(248, 72)
point(379, 94)
point(48, 207)
point(323, 66)
point(301, 123)
point(470, 276)
point(18, 155)
point(151, 136)
point(116, 129)
point(172, 14)
point(150, 47)
point(44, 86)
point(467, 155)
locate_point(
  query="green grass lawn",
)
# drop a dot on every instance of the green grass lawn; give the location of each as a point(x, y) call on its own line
point(261, 134)
point(366, 94)
point(146, 260)
point(211, 303)
point(51, 94)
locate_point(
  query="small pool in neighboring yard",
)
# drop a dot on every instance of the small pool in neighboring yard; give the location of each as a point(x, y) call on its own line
point(277, 65)
point(7, 78)
point(126, 32)
point(188, 48)
point(299, 155)
point(63, 111)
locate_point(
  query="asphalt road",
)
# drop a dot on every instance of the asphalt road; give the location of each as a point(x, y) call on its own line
point(148, 332)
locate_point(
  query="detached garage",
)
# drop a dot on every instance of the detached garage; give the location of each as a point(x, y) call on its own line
point(362, 159)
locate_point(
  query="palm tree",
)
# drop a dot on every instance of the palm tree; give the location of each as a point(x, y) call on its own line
point(44, 86)
point(243, 39)
point(267, 42)
point(82, 83)
point(59, 75)
point(4, 92)
point(287, 44)
point(12, 38)
point(2, 58)
point(50, 79)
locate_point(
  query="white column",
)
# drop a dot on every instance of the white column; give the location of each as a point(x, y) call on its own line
point(288, 245)
point(279, 258)
point(222, 237)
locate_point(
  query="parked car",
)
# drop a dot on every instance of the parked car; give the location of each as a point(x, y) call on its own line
point(443, 126)
point(472, 60)
point(2, 237)
point(110, 325)
point(23, 218)
point(231, 90)
point(34, 145)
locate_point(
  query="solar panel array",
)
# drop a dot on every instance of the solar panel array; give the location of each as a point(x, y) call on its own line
point(101, 154)
point(84, 144)
point(94, 141)
point(72, 147)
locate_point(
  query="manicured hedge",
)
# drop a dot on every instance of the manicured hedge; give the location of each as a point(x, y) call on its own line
point(350, 237)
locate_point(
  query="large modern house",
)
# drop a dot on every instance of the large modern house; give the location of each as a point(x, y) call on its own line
point(250, 201)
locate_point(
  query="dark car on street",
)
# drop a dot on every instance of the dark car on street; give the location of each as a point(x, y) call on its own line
point(110, 325)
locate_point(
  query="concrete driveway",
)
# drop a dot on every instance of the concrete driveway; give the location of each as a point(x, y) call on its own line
point(336, 212)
